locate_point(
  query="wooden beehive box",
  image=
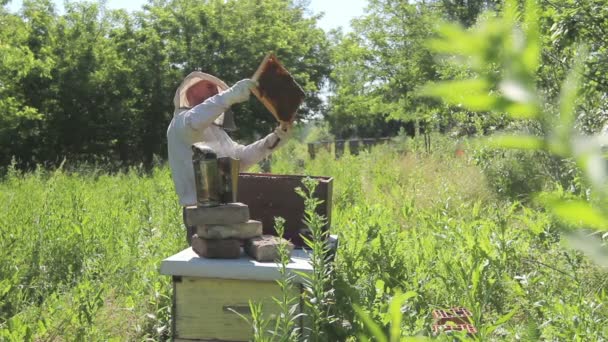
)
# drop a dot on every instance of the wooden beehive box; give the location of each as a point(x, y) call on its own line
point(271, 195)
point(206, 292)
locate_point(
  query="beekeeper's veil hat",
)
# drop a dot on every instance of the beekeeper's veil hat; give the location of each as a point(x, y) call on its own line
point(180, 100)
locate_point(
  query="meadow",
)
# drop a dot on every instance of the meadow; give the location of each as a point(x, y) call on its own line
point(80, 249)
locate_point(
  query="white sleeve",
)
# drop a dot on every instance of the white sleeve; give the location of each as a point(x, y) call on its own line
point(255, 152)
point(203, 115)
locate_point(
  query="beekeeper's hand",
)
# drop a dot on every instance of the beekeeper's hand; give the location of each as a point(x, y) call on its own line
point(280, 136)
point(284, 131)
point(238, 93)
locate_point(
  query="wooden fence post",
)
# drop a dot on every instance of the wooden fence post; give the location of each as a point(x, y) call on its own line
point(353, 147)
point(339, 148)
point(311, 150)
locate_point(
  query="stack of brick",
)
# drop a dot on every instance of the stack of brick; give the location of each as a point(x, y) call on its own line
point(221, 230)
point(454, 319)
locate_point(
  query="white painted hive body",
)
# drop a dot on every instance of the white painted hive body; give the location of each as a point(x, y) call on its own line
point(206, 292)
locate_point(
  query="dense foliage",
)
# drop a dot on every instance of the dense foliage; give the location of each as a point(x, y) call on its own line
point(96, 84)
point(81, 250)
point(380, 64)
point(504, 53)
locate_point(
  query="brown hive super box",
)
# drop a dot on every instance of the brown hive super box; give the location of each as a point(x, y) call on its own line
point(270, 195)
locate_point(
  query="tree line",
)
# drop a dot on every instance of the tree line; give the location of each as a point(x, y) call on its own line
point(378, 68)
point(95, 84)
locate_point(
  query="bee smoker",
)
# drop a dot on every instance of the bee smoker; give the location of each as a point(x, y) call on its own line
point(216, 179)
point(229, 176)
point(206, 175)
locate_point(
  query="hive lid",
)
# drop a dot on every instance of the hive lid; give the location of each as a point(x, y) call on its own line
point(277, 89)
point(188, 263)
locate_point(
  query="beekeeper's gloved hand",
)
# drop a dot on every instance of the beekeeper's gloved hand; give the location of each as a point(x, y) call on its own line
point(239, 92)
point(280, 136)
point(284, 132)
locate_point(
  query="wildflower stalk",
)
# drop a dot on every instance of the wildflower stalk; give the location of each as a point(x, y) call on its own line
point(317, 294)
point(286, 328)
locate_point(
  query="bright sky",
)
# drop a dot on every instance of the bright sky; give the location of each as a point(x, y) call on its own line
point(338, 13)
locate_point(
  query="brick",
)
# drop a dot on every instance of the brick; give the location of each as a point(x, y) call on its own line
point(216, 249)
point(456, 315)
point(224, 214)
point(469, 328)
point(265, 247)
point(243, 231)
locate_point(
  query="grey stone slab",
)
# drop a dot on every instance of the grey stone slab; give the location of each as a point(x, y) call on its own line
point(243, 231)
point(265, 248)
point(216, 249)
point(224, 214)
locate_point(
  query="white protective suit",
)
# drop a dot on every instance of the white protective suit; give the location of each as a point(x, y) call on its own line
point(203, 123)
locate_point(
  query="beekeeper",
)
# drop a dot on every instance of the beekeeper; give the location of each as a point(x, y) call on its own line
point(202, 114)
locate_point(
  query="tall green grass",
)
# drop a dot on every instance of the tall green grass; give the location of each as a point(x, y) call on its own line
point(79, 252)
point(431, 224)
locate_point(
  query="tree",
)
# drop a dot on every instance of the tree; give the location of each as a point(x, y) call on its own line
point(565, 25)
point(378, 67)
point(230, 38)
point(20, 120)
point(466, 12)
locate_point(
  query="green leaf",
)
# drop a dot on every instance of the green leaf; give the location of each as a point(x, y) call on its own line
point(473, 94)
point(591, 246)
point(522, 142)
point(510, 12)
point(396, 314)
point(370, 325)
point(569, 92)
point(379, 287)
point(502, 320)
point(475, 278)
point(578, 213)
point(454, 40)
point(523, 110)
point(531, 54)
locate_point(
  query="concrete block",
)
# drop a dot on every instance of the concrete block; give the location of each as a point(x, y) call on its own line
point(243, 231)
point(216, 249)
point(224, 214)
point(265, 247)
